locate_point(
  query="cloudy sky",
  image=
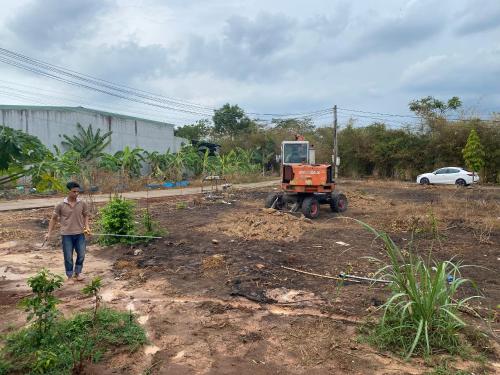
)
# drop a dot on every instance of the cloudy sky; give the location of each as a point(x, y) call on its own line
point(280, 56)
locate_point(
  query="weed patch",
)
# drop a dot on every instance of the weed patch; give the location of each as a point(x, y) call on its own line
point(181, 205)
point(54, 345)
point(151, 227)
point(55, 353)
point(422, 314)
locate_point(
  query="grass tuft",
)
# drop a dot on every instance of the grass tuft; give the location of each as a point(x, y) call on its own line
point(421, 315)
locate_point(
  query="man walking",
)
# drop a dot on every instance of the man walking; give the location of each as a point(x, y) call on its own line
point(73, 216)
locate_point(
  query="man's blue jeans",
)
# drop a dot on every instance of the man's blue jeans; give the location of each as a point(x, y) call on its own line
point(72, 242)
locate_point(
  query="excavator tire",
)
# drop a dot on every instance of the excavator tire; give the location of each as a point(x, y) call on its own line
point(271, 198)
point(310, 207)
point(338, 202)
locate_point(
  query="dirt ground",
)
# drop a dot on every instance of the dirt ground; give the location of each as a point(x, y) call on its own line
point(215, 298)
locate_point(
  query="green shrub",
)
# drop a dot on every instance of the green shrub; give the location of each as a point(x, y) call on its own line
point(66, 345)
point(93, 289)
point(117, 217)
point(42, 306)
point(55, 355)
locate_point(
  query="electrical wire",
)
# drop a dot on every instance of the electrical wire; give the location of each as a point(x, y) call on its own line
point(123, 92)
point(107, 87)
point(103, 91)
point(99, 82)
point(37, 95)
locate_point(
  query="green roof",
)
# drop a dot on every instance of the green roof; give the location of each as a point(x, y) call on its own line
point(76, 109)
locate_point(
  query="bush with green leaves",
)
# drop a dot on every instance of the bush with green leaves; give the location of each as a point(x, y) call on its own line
point(93, 289)
point(473, 152)
point(42, 306)
point(117, 217)
point(422, 314)
point(73, 342)
point(56, 170)
point(56, 355)
point(127, 162)
point(19, 152)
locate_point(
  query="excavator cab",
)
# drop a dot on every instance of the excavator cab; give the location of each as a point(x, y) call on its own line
point(295, 152)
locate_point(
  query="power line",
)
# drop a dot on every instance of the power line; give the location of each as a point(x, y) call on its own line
point(378, 113)
point(106, 87)
point(36, 95)
point(100, 82)
point(294, 115)
point(97, 89)
point(408, 116)
point(123, 92)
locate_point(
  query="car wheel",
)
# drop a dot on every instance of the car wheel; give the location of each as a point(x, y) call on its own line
point(310, 207)
point(338, 202)
point(460, 182)
point(424, 181)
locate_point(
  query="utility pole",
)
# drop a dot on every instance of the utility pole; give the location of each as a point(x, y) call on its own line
point(335, 144)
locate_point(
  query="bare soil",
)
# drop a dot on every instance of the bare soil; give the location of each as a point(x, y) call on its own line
point(215, 299)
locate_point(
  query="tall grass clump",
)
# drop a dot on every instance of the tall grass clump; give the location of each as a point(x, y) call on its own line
point(422, 313)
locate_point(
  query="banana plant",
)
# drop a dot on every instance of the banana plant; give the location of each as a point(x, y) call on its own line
point(226, 163)
point(87, 143)
point(52, 172)
point(130, 160)
point(109, 162)
point(156, 163)
point(245, 160)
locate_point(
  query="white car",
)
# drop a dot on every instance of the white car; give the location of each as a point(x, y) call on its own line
point(448, 175)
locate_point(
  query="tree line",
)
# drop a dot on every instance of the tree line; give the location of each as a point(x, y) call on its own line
point(437, 137)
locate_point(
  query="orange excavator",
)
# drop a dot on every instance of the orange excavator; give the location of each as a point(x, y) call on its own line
point(304, 184)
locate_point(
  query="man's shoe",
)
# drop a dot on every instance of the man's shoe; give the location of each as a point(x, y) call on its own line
point(79, 277)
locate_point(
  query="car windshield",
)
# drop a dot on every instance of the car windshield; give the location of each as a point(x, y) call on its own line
point(295, 153)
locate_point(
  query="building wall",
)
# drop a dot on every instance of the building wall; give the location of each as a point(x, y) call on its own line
point(49, 125)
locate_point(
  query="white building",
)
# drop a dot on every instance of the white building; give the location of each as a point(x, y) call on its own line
point(49, 124)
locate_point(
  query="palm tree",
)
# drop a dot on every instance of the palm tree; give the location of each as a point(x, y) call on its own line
point(88, 144)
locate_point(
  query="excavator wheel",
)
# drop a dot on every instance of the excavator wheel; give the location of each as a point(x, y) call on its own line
point(338, 202)
point(310, 207)
point(274, 200)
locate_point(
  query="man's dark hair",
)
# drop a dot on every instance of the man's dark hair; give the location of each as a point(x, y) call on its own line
point(71, 185)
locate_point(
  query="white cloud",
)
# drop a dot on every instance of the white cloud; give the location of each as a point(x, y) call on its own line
point(478, 16)
point(477, 72)
point(49, 23)
point(428, 70)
